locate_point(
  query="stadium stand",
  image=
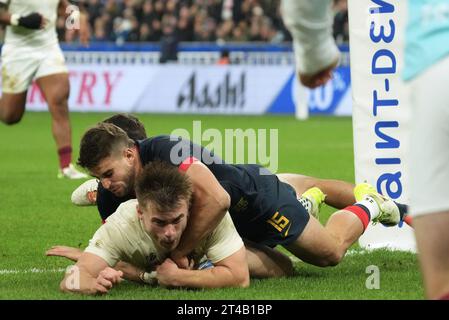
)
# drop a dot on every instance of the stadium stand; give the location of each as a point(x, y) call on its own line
point(130, 31)
point(146, 31)
point(219, 21)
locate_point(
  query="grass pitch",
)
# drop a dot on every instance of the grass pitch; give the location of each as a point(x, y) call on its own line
point(36, 213)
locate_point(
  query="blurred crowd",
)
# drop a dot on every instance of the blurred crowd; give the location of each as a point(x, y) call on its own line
point(219, 21)
point(192, 20)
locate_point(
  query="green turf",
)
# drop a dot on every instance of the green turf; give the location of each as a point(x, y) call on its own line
point(36, 213)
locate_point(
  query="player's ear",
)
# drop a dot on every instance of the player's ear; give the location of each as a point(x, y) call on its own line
point(139, 211)
point(129, 155)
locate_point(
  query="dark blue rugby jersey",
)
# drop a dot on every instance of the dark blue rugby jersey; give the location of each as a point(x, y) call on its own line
point(107, 202)
point(250, 192)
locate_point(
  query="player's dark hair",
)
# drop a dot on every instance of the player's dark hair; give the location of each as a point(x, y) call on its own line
point(130, 124)
point(99, 142)
point(163, 186)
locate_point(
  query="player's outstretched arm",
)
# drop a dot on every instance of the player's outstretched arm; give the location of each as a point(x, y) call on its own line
point(129, 271)
point(65, 252)
point(209, 206)
point(33, 20)
point(229, 272)
point(90, 275)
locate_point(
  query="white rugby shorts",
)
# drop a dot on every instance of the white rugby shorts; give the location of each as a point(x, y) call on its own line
point(21, 66)
point(429, 145)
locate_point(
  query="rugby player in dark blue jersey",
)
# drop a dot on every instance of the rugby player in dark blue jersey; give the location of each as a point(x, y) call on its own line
point(86, 193)
point(265, 210)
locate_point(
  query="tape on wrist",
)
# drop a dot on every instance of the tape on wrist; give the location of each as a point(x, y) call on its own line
point(148, 277)
point(14, 19)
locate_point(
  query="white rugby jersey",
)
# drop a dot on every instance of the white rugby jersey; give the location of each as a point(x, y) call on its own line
point(123, 238)
point(23, 38)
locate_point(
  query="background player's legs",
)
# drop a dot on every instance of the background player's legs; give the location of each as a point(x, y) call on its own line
point(56, 90)
point(429, 168)
point(265, 262)
point(326, 246)
point(431, 230)
point(339, 194)
point(12, 107)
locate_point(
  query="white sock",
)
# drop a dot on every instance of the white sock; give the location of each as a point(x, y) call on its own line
point(371, 205)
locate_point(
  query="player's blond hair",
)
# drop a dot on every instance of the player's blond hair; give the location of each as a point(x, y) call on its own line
point(163, 186)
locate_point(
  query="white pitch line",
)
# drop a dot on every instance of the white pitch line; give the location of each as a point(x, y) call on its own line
point(36, 270)
point(32, 270)
point(356, 252)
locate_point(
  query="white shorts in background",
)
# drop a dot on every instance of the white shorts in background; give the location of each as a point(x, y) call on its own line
point(20, 67)
point(429, 147)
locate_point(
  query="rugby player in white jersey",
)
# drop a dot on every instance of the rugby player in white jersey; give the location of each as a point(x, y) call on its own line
point(139, 237)
point(31, 51)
